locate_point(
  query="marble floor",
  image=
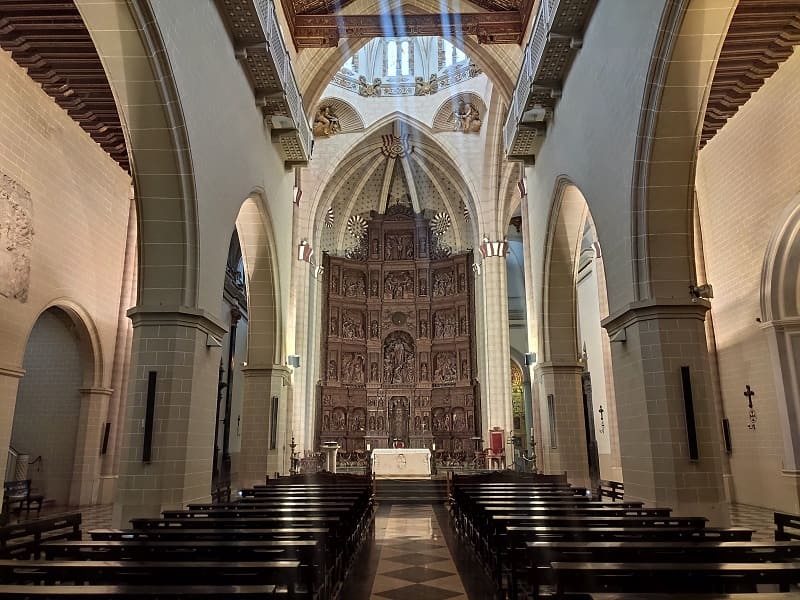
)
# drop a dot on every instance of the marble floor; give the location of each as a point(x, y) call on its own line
point(415, 556)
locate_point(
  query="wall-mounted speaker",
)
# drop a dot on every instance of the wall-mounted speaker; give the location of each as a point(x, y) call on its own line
point(293, 360)
point(530, 358)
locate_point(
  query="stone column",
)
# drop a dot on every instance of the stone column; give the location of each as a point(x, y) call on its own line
point(651, 341)
point(496, 392)
point(9, 383)
point(783, 337)
point(181, 346)
point(562, 446)
point(85, 487)
point(259, 458)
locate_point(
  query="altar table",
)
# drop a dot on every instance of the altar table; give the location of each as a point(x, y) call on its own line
point(401, 462)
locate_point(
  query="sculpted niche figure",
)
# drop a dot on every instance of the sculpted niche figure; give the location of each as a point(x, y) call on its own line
point(467, 118)
point(326, 123)
point(424, 88)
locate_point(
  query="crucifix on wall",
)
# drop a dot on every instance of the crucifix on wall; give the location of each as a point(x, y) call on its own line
point(748, 393)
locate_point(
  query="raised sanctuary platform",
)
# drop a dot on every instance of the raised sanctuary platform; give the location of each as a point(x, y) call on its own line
point(401, 462)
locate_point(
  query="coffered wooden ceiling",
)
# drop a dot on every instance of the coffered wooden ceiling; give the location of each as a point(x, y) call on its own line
point(319, 24)
point(761, 36)
point(50, 40)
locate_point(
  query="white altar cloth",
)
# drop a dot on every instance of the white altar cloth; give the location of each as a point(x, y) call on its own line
point(401, 462)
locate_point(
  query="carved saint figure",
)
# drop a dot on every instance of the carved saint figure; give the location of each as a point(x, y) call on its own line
point(423, 287)
point(381, 424)
point(442, 283)
point(334, 325)
point(398, 359)
point(372, 422)
point(332, 370)
point(467, 118)
point(423, 371)
point(445, 368)
point(423, 328)
point(464, 369)
point(417, 423)
point(326, 123)
point(373, 288)
point(352, 326)
point(326, 422)
point(373, 372)
point(353, 284)
point(373, 329)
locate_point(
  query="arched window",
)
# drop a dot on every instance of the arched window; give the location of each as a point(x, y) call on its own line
point(405, 58)
point(460, 55)
point(391, 59)
point(448, 53)
point(349, 64)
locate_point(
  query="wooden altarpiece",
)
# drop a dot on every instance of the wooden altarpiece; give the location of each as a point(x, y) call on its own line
point(398, 346)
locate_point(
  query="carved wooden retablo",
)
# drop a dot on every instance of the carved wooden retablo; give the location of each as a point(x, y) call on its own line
point(398, 351)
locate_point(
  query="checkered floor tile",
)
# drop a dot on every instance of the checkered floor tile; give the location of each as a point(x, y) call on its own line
point(415, 563)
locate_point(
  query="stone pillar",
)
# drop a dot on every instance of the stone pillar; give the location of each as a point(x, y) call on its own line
point(9, 383)
point(85, 487)
point(496, 392)
point(259, 456)
point(651, 341)
point(783, 338)
point(562, 446)
point(181, 346)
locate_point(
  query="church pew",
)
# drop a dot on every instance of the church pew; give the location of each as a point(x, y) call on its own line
point(306, 551)
point(540, 554)
point(671, 577)
point(288, 573)
point(660, 596)
point(139, 592)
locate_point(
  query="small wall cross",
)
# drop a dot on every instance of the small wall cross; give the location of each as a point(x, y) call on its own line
point(748, 393)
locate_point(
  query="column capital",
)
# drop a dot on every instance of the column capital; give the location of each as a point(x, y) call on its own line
point(99, 391)
point(13, 372)
point(654, 309)
point(282, 371)
point(184, 316)
point(786, 324)
point(498, 248)
point(553, 367)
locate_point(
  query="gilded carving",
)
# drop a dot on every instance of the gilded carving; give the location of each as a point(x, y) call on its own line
point(326, 123)
point(16, 239)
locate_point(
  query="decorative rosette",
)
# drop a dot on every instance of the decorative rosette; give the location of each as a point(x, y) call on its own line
point(440, 223)
point(357, 226)
point(329, 217)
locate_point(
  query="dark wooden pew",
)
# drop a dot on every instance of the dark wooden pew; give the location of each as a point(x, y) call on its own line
point(615, 490)
point(787, 527)
point(139, 592)
point(288, 573)
point(24, 540)
point(540, 554)
point(671, 577)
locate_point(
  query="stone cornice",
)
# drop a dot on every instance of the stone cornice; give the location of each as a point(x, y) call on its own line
point(15, 372)
point(655, 308)
point(183, 316)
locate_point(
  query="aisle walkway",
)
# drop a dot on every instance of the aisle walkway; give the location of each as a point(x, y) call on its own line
point(415, 557)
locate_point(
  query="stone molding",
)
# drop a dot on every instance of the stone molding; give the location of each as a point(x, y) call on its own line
point(15, 372)
point(558, 367)
point(182, 316)
point(99, 391)
point(653, 309)
point(282, 371)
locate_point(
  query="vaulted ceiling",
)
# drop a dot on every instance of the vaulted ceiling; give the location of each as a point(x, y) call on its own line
point(761, 36)
point(50, 40)
point(321, 23)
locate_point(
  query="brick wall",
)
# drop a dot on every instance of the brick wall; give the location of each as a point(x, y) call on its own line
point(746, 176)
